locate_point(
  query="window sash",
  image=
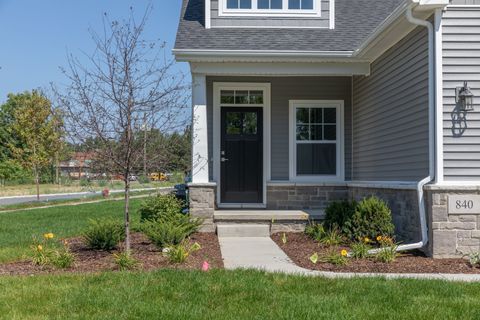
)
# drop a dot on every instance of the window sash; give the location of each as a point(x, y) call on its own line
point(285, 9)
point(299, 173)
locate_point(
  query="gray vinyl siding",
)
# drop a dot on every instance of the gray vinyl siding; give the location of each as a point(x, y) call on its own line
point(284, 89)
point(390, 114)
point(461, 61)
point(228, 21)
point(465, 2)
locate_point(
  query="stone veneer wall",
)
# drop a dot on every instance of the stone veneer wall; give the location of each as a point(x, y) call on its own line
point(202, 204)
point(452, 235)
point(303, 197)
point(403, 202)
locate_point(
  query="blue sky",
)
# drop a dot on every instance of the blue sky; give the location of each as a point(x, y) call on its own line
point(36, 35)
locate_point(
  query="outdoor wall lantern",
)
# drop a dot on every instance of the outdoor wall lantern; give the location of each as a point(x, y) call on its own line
point(464, 97)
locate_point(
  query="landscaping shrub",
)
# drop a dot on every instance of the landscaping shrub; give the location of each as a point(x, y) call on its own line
point(170, 230)
point(315, 230)
point(163, 223)
point(104, 234)
point(161, 205)
point(474, 259)
point(335, 257)
point(63, 258)
point(359, 250)
point(125, 261)
point(372, 217)
point(328, 237)
point(180, 252)
point(51, 252)
point(358, 220)
point(338, 213)
point(331, 237)
point(388, 249)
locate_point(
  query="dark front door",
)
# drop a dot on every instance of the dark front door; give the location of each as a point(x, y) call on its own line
point(242, 155)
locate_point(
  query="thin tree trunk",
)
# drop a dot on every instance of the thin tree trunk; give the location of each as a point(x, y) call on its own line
point(57, 169)
point(145, 173)
point(127, 215)
point(37, 181)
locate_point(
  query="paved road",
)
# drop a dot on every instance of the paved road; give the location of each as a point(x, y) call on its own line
point(49, 197)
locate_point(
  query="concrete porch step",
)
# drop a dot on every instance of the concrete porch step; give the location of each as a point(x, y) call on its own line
point(243, 230)
point(261, 223)
point(267, 215)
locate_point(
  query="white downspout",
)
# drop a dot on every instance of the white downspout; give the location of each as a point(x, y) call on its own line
point(431, 135)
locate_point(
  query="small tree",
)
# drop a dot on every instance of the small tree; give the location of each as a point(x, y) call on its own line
point(127, 86)
point(36, 125)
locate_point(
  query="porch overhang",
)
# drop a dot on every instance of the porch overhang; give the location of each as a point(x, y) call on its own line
point(281, 69)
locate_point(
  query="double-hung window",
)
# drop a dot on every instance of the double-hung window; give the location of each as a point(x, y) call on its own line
point(270, 7)
point(316, 140)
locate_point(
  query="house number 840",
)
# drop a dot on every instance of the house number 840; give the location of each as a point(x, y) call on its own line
point(464, 204)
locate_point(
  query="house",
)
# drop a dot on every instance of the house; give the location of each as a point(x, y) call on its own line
point(78, 166)
point(297, 103)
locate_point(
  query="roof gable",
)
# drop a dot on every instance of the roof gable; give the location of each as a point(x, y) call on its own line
point(354, 22)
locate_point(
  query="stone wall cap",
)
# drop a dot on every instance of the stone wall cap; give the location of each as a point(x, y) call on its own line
point(200, 185)
point(305, 184)
point(354, 184)
point(383, 185)
point(452, 187)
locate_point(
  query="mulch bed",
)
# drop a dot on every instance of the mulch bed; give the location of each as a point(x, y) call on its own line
point(300, 247)
point(149, 256)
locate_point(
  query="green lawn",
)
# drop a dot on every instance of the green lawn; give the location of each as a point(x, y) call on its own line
point(31, 189)
point(17, 228)
point(231, 295)
point(218, 294)
point(61, 202)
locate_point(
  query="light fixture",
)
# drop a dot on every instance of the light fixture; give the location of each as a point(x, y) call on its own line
point(464, 97)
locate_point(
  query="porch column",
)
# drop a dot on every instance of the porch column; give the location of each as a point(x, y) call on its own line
point(199, 130)
point(201, 191)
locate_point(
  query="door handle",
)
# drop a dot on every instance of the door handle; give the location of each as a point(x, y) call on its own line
point(223, 159)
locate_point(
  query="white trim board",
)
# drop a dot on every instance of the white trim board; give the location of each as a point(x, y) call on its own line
point(282, 69)
point(316, 12)
point(216, 131)
point(340, 142)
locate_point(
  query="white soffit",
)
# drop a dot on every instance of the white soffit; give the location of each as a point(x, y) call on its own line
point(281, 69)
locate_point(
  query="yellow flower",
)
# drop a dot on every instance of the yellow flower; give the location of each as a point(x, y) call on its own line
point(379, 238)
point(39, 247)
point(344, 253)
point(49, 235)
point(366, 240)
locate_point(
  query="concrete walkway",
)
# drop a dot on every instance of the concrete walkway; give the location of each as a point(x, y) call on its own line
point(263, 254)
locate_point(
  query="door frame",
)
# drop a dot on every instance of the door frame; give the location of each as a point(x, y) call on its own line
point(266, 88)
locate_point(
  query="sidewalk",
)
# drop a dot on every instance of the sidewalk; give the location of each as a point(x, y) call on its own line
point(10, 200)
point(264, 254)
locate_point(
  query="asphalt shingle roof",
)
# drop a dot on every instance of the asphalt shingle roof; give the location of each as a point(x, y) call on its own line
point(355, 21)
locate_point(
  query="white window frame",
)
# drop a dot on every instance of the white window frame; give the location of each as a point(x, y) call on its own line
point(340, 141)
point(240, 86)
point(284, 12)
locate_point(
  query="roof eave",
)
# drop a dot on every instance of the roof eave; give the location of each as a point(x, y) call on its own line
point(200, 55)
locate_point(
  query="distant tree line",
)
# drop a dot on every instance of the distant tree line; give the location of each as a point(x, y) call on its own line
point(34, 140)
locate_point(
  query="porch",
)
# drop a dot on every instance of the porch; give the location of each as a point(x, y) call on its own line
point(297, 136)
